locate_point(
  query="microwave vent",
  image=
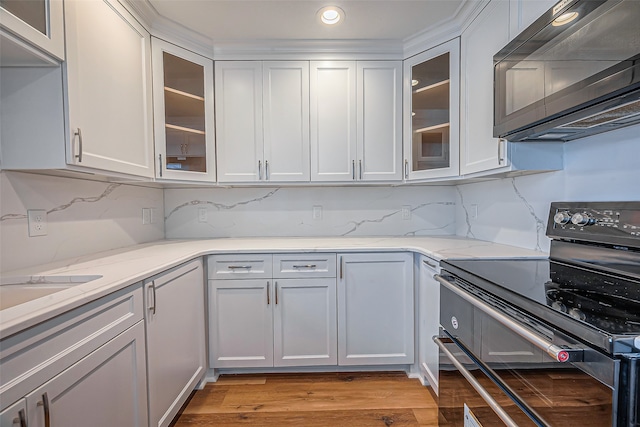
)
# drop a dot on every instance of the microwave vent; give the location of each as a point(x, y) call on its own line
point(620, 112)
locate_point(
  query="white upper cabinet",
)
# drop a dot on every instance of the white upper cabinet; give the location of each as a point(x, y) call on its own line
point(355, 121)
point(108, 77)
point(262, 121)
point(480, 152)
point(379, 123)
point(183, 111)
point(488, 33)
point(286, 121)
point(431, 112)
point(239, 120)
point(333, 119)
point(38, 22)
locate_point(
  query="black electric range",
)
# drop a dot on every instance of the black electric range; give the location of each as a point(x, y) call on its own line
point(590, 285)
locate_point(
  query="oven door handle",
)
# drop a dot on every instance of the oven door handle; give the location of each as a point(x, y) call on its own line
point(559, 354)
point(499, 410)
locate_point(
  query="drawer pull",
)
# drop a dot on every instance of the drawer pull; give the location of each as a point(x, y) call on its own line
point(239, 267)
point(45, 406)
point(305, 266)
point(276, 293)
point(22, 419)
point(268, 292)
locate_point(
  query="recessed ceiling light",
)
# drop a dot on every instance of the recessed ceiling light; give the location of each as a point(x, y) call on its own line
point(564, 19)
point(331, 15)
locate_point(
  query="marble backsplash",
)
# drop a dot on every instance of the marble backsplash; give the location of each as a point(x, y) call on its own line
point(288, 211)
point(83, 217)
point(514, 211)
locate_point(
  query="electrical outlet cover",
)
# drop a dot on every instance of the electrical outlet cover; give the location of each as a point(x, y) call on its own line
point(37, 219)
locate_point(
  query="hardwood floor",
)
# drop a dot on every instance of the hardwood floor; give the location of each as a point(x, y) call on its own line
point(310, 400)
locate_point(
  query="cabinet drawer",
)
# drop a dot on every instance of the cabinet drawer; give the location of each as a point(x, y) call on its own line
point(294, 266)
point(244, 266)
point(34, 356)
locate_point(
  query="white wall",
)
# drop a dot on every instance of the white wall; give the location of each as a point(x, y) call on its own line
point(514, 211)
point(346, 211)
point(83, 217)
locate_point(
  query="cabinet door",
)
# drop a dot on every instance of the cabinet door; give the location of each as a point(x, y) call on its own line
point(379, 97)
point(431, 112)
point(108, 77)
point(239, 121)
point(286, 121)
point(183, 110)
point(304, 322)
point(40, 22)
point(375, 309)
point(428, 319)
point(175, 339)
point(15, 415)
point(105, 389)
point(240, 323)
point(333, 119)
point(489, 32)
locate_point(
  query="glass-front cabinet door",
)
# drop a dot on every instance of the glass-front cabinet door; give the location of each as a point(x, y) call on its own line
point(183, 110)
point(431, 113)
point(39, 22)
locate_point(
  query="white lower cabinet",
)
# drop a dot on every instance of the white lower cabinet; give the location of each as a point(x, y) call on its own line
point(428, 318)
point(15, 415)
point(84, 367)
point(375, 309)
point(105, 389)
point(284, 315)
point(174, 319)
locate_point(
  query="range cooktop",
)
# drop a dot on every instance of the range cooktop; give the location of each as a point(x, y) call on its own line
point(597, 307)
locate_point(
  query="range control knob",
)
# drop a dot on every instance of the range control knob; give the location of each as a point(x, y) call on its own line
point(562, 217)
point(582, 219)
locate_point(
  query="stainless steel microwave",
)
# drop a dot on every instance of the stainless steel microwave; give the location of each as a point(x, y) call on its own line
point(573, 73)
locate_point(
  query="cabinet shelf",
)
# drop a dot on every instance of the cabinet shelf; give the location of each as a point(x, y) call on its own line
point(431, 128)
point(171, 127)
point(433, 97)
point(182, 104)
point(432, 86)
point(182, 93)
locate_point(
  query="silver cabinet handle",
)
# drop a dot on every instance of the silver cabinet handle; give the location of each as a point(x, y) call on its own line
point(259, 169)
point(152, 288)
point(406, 169)
point(78, 133)
point(501, 149)
point(276, 293)
point(500, 412)
point(558, 353)
point(360, 168)
point(239, 267)
point(430, 264)
point(305, 266)
point(268, 293)
point(22, 418)
point(266, 170)
point(341, 267)
point(353, 169)
point(160, 164)
point(45, 406)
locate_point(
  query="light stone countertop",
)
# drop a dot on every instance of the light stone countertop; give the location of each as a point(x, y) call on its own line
point(123, 267)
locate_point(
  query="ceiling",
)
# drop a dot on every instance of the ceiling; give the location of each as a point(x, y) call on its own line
point(247, 21)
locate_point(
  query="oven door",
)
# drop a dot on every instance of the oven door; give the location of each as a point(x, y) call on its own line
point(492, 374)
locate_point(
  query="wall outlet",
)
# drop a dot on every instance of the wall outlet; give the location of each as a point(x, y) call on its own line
point(147, 215)
point(202, 214)
point(317, 212)
point(474, 211)
point(406, 212)
point(37, 219)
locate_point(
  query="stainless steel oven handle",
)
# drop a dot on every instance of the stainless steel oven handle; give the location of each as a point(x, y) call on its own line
point(500, 412)
point(558, 353)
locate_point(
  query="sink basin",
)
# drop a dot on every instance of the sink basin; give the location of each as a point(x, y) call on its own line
point(18, 290)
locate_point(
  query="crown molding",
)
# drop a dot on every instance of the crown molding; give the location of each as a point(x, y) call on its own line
point(444, 31)
point(272, 49)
